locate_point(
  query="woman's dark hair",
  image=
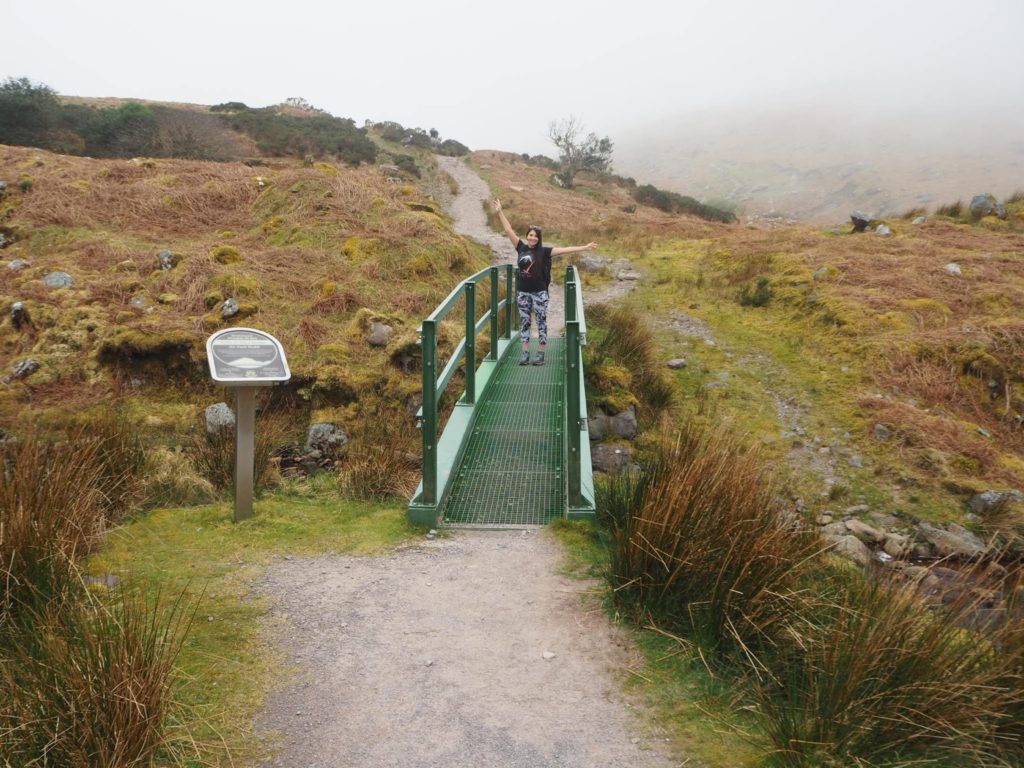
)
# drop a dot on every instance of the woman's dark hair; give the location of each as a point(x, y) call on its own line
point(540, 236)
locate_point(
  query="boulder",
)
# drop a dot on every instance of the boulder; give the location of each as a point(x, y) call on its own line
point(230, 309)
point(987, 205)
point(380, 334)
point(591, 263)
point(864, 532)
point(611, 459)
point(987, 502)
point(329, 439)
point(883, 230)
point(860, 221)
point(20, 317)
point(882, 432)
point(676, 363)
point(896, 545)
point(852, 548)
point(219, 416)
point(16, 265)
point(953, 268)
point(952, 540)
point(58, 280)
point(920, 220)
point(167, 260)
point(24, 368)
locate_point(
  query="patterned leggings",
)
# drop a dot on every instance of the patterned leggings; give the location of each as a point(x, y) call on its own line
point(538, 304)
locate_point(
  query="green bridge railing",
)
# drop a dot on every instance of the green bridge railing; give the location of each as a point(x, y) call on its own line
point(442, 455)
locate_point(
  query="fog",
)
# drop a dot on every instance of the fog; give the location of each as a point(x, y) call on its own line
point(495, 75)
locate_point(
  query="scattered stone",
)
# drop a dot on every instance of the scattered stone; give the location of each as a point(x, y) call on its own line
point(865, 532)
point(58, 280)
point(883, 432)
point(676, 363)
point(380, 334)
point(896, 545)
point(857, 509)
point(920, 220)
point(628, 276)
point(600, 425)
point(230, 309)
point(24, 368)
point(883, 230)
point(821, 273)
point(20, 317)
point(611, 459)
point(852, 548)
point(139, 302)
point(835, 530)
point(167, 260)
point(885, 520)
point(952, 540)
point(855, 461)
point(987, 205)
point(987, 502)
point(984, 432)
point(953, 268)
point(329, 439)
point(825, 518)
point(16, 265)
point(432, 534)
point(591, 263)
point(219, 416)
point(547, 655)
point(860, 221)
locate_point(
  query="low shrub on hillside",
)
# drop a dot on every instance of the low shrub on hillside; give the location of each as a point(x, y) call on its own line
point(673, 202)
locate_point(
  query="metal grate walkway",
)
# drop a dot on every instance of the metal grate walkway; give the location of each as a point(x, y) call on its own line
point(511, 473)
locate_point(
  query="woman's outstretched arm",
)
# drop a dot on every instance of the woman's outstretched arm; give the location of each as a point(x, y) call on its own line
point(573, 249)
point(504, 222)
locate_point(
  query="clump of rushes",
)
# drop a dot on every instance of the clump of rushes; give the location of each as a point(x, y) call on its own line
point(213, 453)
point(699, 547)
point(87, 682)
point(885, 678)
point(382, 462)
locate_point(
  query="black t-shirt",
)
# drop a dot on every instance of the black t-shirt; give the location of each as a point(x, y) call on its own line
point(534, 268)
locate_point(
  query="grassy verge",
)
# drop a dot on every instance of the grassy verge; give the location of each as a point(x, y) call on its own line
point(227, 671)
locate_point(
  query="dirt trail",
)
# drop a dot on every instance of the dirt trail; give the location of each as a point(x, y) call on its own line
point(467, 651)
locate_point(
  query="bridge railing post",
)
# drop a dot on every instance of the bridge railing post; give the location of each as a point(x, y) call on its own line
point(572, 398)
point(494, 314)
point(510, 300)
point(428, 340)
point(470, 354)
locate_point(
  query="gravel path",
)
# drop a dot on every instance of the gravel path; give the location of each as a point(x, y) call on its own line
point(467, 651)
point(470, 650)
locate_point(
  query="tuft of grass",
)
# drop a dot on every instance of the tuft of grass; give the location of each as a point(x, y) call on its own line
point(213, 453)
point(698, 546)
point(382, 462)
point(885, 678)
point(952, 210)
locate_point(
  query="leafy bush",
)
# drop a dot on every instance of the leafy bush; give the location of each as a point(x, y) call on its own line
point(318, 135)
point(672, 202)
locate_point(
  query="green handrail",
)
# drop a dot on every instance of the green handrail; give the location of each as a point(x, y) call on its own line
point(434, 385)
point(578, 474)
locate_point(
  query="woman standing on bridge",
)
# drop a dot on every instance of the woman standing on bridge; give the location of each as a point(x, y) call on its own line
point(533, 281)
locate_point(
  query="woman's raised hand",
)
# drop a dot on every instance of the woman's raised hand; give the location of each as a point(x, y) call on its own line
point(496, 203)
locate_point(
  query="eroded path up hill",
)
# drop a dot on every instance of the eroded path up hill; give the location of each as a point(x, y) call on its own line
point(469, 651)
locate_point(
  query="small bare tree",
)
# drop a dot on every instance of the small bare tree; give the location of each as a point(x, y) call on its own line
point(576, 152)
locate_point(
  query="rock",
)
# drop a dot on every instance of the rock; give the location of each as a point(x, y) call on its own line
point(882, 432)
point(3, 188)
point(835, 530)
point(16, 265)
point(896, 545)
point(883, 230)
point(58, 280)
point(547, 655)
point(821, 273)
point(380, 335)
point(987, 502)
point(24, 368)
point(230, 309)
point(860, 221)
point(825, 518)
point(987, 205)
point(20, 317)
point(920, 220)
point(611, 459)
point(855, 461)
point(329, 439)
point(591, 263)
point(852, 548)
point(953, 268)
point(628, 276)
point(139, 302)
point(600, 425)
point(857, 509)
point(676, 363)
point(167, 260)
point(951, 541)
point(865, 532)
point(884, 520)
point(219, 416)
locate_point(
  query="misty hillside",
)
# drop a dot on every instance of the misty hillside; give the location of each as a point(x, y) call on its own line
point(818, 163)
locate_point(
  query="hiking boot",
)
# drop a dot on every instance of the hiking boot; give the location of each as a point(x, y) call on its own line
point(524, 359)
point(539, 359)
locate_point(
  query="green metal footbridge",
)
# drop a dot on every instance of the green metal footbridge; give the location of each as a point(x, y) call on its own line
point(514, 450)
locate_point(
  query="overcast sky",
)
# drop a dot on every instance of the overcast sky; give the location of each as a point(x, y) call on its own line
point(494, 75)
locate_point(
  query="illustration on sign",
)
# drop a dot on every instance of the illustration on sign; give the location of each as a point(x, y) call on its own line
point(245, 354)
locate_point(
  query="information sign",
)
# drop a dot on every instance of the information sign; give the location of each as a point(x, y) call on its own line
point(243, 356)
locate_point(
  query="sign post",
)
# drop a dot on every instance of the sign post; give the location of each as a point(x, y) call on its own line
point(244, 359)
